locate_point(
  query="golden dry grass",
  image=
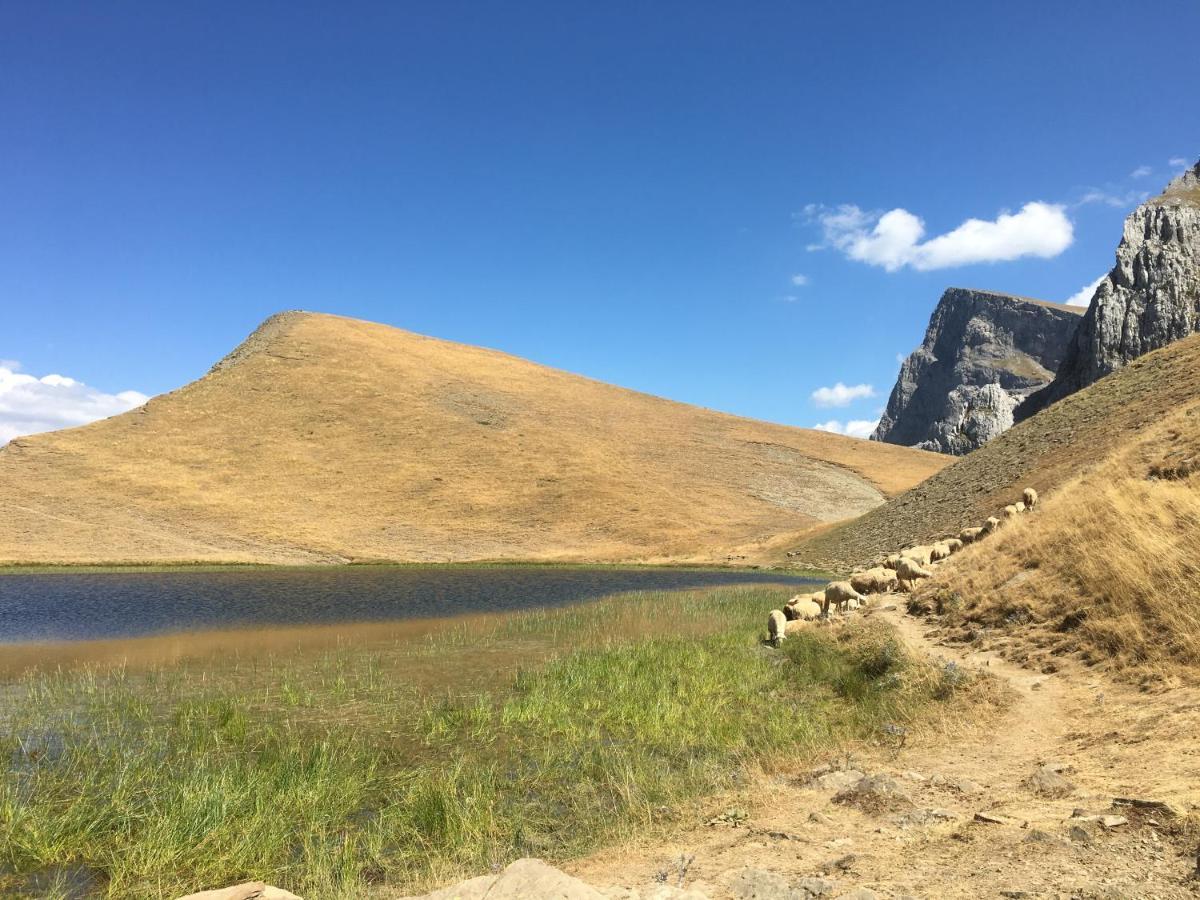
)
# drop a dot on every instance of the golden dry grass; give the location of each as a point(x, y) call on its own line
point(1108, 564)
point(324, 439)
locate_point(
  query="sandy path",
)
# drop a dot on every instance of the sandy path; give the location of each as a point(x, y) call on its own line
point(1107, 740)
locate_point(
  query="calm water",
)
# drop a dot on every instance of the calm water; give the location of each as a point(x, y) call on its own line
point(90, 607)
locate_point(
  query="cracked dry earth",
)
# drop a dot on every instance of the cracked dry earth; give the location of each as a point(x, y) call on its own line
point(967, 820)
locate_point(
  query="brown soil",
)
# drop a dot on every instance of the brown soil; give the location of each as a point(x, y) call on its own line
point(1069, 438)
point(1108, 740)
point(326, 440)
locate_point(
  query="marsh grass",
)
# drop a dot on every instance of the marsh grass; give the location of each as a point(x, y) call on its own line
point(547, 733)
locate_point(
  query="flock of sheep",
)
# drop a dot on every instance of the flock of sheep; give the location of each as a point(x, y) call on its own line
point(896, 573)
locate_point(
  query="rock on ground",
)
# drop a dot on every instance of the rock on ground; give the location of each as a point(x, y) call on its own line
point(251, 890)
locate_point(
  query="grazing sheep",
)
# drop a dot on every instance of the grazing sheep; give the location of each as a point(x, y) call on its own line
point(939, 551)
point(802, 610)
point(922, 555)
point(955, 544)
point(991, 525)
point(873, 581)
point(970, 535)
point(892, 561)
point(838, 594)
point(1020, 505)
point(910, 571)
point(1029, 495)
point(796, 626)
point(1010, 511)
point(776, 626)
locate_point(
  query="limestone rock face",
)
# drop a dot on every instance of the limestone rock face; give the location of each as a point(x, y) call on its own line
point(1149, 299)
point(983, 353)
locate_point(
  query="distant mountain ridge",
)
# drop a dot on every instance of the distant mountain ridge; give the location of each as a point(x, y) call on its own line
point(983, 353)
point(323, 439)
point(1149, 299)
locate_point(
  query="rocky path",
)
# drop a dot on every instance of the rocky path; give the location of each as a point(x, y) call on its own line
point(1021, 808)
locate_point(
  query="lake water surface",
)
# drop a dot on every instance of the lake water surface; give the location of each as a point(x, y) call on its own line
point(114, 605)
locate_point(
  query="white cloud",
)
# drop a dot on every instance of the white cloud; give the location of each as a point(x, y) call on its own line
point(841, 394)
point(1083, 296)
point(893, 240)
point(856, 428)
point(29, 405)
point(1178, 162)
point(799, 280)
point(1141, 172)
point(1117, 200)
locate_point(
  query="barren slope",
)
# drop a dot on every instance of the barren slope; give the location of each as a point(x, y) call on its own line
point(323, 439)
point(1076, 435)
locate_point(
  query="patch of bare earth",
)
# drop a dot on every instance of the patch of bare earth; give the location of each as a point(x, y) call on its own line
point(1031, 805)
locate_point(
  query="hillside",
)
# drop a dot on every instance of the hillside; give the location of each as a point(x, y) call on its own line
point(1147, 412)
point(325, 439)
point(982, 354)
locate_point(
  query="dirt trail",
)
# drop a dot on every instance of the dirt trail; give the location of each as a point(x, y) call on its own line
point(1107, 740)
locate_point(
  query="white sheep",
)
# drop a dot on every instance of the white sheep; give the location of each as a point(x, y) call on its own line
point(955, 544)
point(1030, 496)
point(1020, 505)
point(922, 554)
point(892, 561)
point(939, 551)
point(873, 581)
point(970, 535)
point(910, 571)
point(991, 524)
point(838, 594)
point(1010, 511)
point(776, 626)
point(802, 609)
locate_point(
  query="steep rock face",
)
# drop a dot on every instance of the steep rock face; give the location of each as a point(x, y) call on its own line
point(1149, 299)
point(983, 353)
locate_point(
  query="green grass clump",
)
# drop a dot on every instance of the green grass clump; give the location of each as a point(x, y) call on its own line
point(547, 733)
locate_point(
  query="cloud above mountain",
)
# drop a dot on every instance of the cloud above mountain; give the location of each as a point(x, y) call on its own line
point(896, 239)
point(856, 428)
point(1083, 296)
point(29, 405)
point(842, 394)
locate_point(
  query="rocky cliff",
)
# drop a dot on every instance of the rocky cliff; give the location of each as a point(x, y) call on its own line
point(1149, 299)
point(982, 355)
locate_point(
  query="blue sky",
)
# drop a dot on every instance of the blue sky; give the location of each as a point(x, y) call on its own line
point(625, 190)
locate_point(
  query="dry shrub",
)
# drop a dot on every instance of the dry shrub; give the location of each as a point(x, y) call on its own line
point(1109, 564)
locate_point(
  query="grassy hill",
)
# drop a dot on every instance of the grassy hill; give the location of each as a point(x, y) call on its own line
point(1144, 415)
point(325, 439)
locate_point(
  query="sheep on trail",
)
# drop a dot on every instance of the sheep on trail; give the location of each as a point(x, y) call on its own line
point(939, 551)
point(776, 626)
point(1029, 495)
point(1010, 511)
point(892, 561)
point(910, 571)
point(970, 535)
point(839, 594)
point(991, 525)
point(955, 544)
point(873, 581)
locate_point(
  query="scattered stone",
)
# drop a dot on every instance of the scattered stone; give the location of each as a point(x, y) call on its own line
point(924, 817)
point(839, 780)
point(913, 776)
point(859, 894)
point(816, 887)
point(1037, 836)
point(1046, 782)
point(1080, 835)
point(1113, 821)
point(841, 864)
point(522, 879)
point(251, 890)
point(1015, 894)
point(759, 884)
point(1166, 810)
point(989, 818)
point(963, 786)
point(819, 818)
point(874, 793)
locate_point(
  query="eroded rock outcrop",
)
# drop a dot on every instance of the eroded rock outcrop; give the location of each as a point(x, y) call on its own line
point(1149, 299)
point(982, 355)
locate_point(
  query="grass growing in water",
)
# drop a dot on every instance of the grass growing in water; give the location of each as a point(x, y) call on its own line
point(545, 733)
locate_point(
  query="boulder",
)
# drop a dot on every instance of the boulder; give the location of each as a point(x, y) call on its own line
point(250, 890)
